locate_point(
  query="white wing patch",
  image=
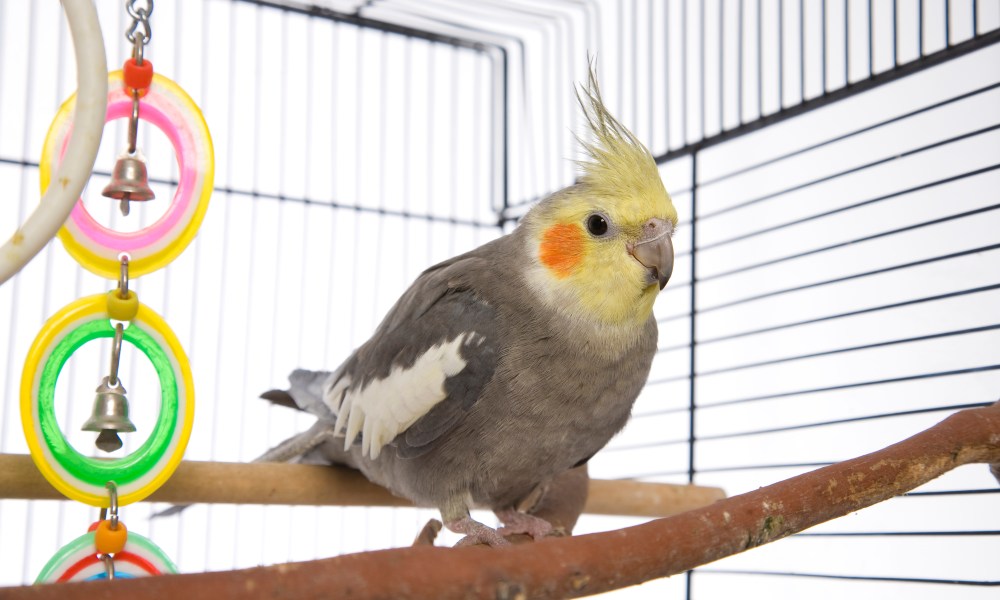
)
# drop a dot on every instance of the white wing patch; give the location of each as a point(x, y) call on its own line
point(334, 398)
point(387, 407)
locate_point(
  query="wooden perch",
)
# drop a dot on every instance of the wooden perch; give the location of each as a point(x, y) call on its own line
point(588, 564)
point(276, 483)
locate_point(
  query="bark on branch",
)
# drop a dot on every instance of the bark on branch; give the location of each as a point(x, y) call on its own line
point(588, 564)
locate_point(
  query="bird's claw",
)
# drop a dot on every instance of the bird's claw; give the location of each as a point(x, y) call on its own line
point(515, 522)
point(476, 533)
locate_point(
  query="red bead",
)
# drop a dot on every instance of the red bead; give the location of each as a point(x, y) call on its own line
point(93, 525)
point(137, 77)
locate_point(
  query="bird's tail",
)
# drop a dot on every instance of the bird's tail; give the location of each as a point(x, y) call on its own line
point(300, 448)
point(315, 445)
point(305, 392)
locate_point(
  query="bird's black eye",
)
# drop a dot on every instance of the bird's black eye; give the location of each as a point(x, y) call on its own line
point(597, 225)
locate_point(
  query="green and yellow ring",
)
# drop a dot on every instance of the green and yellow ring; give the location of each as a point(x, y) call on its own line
point(82, 478)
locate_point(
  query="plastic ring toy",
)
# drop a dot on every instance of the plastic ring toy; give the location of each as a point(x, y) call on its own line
point(172, 111)
point(78, 561)
point(82, 478)
point(123, 575)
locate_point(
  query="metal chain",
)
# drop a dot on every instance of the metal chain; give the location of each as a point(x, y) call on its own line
point(140, 11)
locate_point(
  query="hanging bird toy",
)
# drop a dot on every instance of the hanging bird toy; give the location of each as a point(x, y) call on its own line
point(108, 549)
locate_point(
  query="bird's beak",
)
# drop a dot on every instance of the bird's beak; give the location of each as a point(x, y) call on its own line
point(655, 250)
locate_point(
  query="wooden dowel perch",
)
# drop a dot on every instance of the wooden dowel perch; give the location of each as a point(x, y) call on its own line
point(275, 483)
point(588, 564)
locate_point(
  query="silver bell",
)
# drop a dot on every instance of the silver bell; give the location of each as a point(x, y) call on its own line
point(110, 415)
point(129, 182)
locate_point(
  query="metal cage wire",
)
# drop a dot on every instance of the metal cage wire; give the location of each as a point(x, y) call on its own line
point(834, 163)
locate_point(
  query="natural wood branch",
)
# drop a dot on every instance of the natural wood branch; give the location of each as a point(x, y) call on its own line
point(274, 483)
point(576, 566)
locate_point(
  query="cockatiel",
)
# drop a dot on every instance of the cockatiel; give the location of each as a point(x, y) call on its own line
point(505, 367)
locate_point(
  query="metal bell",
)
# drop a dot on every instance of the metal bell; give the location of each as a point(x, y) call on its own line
point(129, 182)
point(110, 415)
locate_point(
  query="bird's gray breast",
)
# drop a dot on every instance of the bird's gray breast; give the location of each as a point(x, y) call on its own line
point(550, 405)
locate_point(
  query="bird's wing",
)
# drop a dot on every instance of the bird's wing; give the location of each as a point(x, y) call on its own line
point(424, 367)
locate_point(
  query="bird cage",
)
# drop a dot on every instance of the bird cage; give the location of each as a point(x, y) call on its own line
point(837, 278)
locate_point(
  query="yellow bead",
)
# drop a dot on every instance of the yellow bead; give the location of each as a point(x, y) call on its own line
point(110, 541)
point(122, 309)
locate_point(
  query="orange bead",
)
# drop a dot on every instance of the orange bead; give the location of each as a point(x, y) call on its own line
point(137, 77)
point(110, 541)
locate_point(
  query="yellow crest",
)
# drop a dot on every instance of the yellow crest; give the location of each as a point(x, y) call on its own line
point(619, 165)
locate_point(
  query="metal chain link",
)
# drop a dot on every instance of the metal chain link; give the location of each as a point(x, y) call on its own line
point(112, 505)
point(116, 345)
point(109, 566)
point(123, 276)
point(140, 11)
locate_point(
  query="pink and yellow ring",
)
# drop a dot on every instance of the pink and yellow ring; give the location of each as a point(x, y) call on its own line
point(140, 473)
point(171, 110)
point(78, 561)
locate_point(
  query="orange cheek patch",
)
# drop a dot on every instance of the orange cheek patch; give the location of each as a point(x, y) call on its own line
point(561, 249)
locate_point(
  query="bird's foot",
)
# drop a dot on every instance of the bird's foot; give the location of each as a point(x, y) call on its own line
point(476, 533)
point(515, 522)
